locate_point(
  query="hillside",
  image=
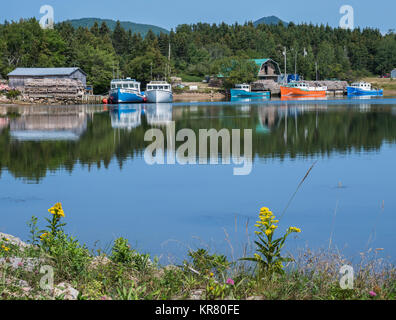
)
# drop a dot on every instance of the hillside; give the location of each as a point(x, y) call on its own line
point(269, 20)
point(134, 27)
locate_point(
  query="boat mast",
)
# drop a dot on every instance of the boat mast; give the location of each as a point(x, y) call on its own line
point(169, 57)
point(285, 76)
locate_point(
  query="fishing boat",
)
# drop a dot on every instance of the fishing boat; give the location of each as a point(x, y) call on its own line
point(363, 89)
point(125, 91)
point(244, 91)
point(159, 92)
point(299, 88)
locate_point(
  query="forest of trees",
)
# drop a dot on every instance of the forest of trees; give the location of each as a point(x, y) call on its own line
point(196, 50)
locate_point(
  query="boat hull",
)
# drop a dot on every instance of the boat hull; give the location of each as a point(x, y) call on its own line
point(236, 93)
point(124, 96)
point(159, 96)
point(286, 91)
point(360, 92)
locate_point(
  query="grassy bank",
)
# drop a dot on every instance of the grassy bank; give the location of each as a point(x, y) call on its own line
point(125, 274)
point(389, 85)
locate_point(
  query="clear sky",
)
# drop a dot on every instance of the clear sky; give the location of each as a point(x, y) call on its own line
point(170, 13)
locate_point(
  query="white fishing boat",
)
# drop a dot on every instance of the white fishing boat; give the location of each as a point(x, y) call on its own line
point(159, 92)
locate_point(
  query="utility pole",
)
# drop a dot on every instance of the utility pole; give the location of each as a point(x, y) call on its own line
point(316, 70)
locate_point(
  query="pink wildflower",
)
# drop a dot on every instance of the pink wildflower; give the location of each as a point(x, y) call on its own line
point(230, 281)
point(372, 293)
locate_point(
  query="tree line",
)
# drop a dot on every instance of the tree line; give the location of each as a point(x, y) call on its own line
point(197, 50)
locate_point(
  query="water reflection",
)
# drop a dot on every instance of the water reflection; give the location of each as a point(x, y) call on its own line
point(126, 117)
point(56, 137)
point(159, 114)
point(55, 126)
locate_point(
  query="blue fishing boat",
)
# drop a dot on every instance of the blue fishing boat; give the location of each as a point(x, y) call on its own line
point(244, 91)
point(363, 89)
point(125, 91)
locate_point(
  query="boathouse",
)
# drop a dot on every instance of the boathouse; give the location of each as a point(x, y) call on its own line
point(20, 76)
point(268, 69)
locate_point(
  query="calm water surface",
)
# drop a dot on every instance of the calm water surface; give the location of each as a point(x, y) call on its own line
point(91, 159)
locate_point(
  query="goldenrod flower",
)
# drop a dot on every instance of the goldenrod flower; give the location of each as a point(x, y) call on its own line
point(44, 235)
point(258, 257)
point(211, 274)
point(294, 229)
point(268, 232)
point(5, 248)
point(57, 210)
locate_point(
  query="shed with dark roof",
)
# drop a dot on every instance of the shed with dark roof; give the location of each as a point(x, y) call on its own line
point(19, 77)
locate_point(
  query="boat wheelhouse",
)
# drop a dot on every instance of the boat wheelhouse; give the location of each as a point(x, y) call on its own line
point(159, 92)
point(363, 89)
point(125, 91)
point(299, 88)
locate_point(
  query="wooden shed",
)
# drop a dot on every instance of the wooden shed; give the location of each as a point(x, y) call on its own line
point(268, 69)
point(19, 77)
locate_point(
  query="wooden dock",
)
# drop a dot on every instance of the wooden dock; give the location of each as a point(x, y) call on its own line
point(93, 99)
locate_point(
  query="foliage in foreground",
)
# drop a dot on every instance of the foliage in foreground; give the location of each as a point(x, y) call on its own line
point(126, 274)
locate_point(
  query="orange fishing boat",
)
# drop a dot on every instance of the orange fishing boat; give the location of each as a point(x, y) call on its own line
point(302, 89)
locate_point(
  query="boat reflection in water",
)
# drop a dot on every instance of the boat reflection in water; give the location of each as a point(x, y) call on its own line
point(303, 98)
point(159, 114)
point(126, 116)
point(250, 99)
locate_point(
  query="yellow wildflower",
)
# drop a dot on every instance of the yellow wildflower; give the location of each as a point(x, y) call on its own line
point(294, 229)
point(268, 232)
point(57, 210)
point(258, 257)
point(211, 274)
point(44, 235)
point(5, 248)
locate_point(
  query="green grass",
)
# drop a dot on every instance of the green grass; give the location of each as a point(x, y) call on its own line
point(125, 274)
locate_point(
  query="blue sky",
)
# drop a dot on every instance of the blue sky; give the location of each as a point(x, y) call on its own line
point(168, 14)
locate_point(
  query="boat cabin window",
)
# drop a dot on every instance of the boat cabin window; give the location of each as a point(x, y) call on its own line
point(125, 85)
point(113, 86)
point(119, 85)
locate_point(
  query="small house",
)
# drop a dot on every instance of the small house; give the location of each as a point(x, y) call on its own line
point(19, 77)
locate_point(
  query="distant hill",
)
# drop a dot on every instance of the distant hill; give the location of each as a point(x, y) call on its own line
point(269, 20)
point(134, 27)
